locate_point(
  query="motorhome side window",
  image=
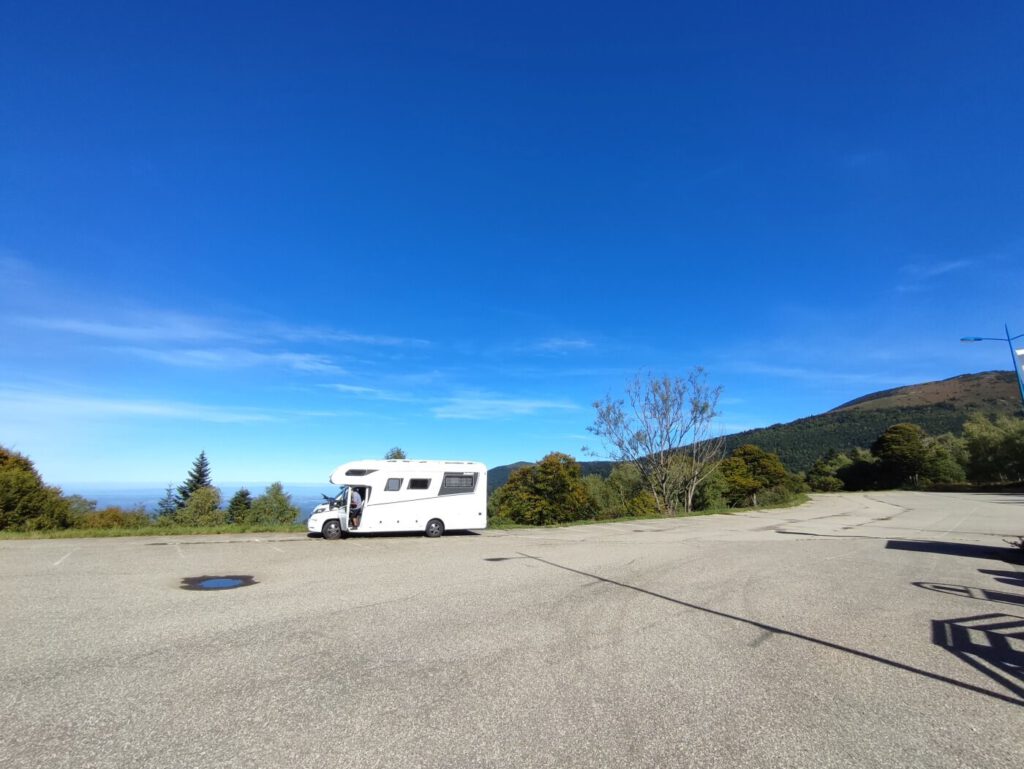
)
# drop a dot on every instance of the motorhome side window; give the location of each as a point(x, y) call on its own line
point(419, 483)
point(394, 484)
point(458, 483)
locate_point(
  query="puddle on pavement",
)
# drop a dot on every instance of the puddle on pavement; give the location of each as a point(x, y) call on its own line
point(227, 582)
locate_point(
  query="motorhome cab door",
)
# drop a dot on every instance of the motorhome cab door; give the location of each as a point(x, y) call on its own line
point(351, 519)
point(343, 499)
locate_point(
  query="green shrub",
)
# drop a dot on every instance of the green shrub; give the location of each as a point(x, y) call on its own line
point(273, 506)
point(112, 518)
point(26, 503)
point(552, 491)
point(202, 509)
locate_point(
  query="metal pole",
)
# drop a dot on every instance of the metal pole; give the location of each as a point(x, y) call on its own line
point(1018, 361)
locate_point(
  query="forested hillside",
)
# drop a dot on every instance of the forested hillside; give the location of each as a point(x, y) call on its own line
point(936, 407)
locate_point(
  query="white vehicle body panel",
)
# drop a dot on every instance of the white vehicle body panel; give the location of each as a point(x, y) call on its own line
point(403, 495)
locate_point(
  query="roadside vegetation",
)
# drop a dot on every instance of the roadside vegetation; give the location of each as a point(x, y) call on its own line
point(667, 461)
point(31, 508)
point(988, 454)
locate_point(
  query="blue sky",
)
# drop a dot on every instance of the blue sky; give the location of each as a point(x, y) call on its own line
point(297, 234)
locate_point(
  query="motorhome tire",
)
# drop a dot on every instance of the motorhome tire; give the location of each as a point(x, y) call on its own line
point(332, 530)
point(435, 528)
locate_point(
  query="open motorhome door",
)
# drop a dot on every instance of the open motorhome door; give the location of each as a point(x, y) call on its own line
point(344, 499)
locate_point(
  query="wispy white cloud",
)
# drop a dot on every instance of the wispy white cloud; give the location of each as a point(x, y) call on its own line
point(157, 326)
point(193, 341)
point(479, 407)
point(296, 333)
point(562, 345)
point(374, 393)
point(141, 327)
point(420, 378)
point(935, 269)
point(921, 276)
point(25, 403)
point(354, 389)
point(236, 358)
point(818, 375)
point(548, 373)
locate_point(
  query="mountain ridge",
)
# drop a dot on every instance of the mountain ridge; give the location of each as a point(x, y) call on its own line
point(937, 407)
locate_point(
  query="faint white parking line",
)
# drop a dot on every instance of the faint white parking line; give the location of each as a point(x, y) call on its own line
point(957, 524)
point(63, 558)
point(257, 539)
point(853, 551)
point(178, 548)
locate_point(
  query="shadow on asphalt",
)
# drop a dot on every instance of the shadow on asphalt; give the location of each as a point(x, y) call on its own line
point(1007, 554)
point(988, 643)
point(978, 593)
point(954, 637)
point(1013, 578)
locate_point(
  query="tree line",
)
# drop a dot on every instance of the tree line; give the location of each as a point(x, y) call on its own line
point(989, 451)
point(667, 461)
point(555, 490)
point(27, 503)
point(666, 457)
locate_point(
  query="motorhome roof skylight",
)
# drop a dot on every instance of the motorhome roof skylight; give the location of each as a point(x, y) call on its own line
point(359, 472)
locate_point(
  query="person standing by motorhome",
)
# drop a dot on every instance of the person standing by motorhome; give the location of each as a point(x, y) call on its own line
point(355, 509)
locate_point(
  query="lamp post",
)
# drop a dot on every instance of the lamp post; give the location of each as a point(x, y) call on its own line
point(1015, 354)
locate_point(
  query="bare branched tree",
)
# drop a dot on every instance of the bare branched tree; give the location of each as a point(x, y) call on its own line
point(666, 431)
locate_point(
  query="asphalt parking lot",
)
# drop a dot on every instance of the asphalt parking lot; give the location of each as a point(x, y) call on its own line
point(860, 630)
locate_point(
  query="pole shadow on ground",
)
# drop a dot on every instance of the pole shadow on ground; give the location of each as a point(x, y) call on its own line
point(952, 640)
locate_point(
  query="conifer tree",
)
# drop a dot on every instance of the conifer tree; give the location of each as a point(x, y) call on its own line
point(168, 505)
point(198, 478)
point(239, 506)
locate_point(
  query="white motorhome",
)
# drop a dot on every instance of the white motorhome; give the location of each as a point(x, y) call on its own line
point(393, 495)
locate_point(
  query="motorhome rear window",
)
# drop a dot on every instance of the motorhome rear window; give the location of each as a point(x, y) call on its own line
point(419, 483)
point(359, 472)
point(393, 484)
point(458, 483)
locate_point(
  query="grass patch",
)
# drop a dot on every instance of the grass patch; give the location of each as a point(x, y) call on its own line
point(500, 523)
point(796, 501)
point(296, 528)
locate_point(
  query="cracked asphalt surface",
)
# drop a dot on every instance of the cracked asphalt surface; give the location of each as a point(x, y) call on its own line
point(859, 630)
